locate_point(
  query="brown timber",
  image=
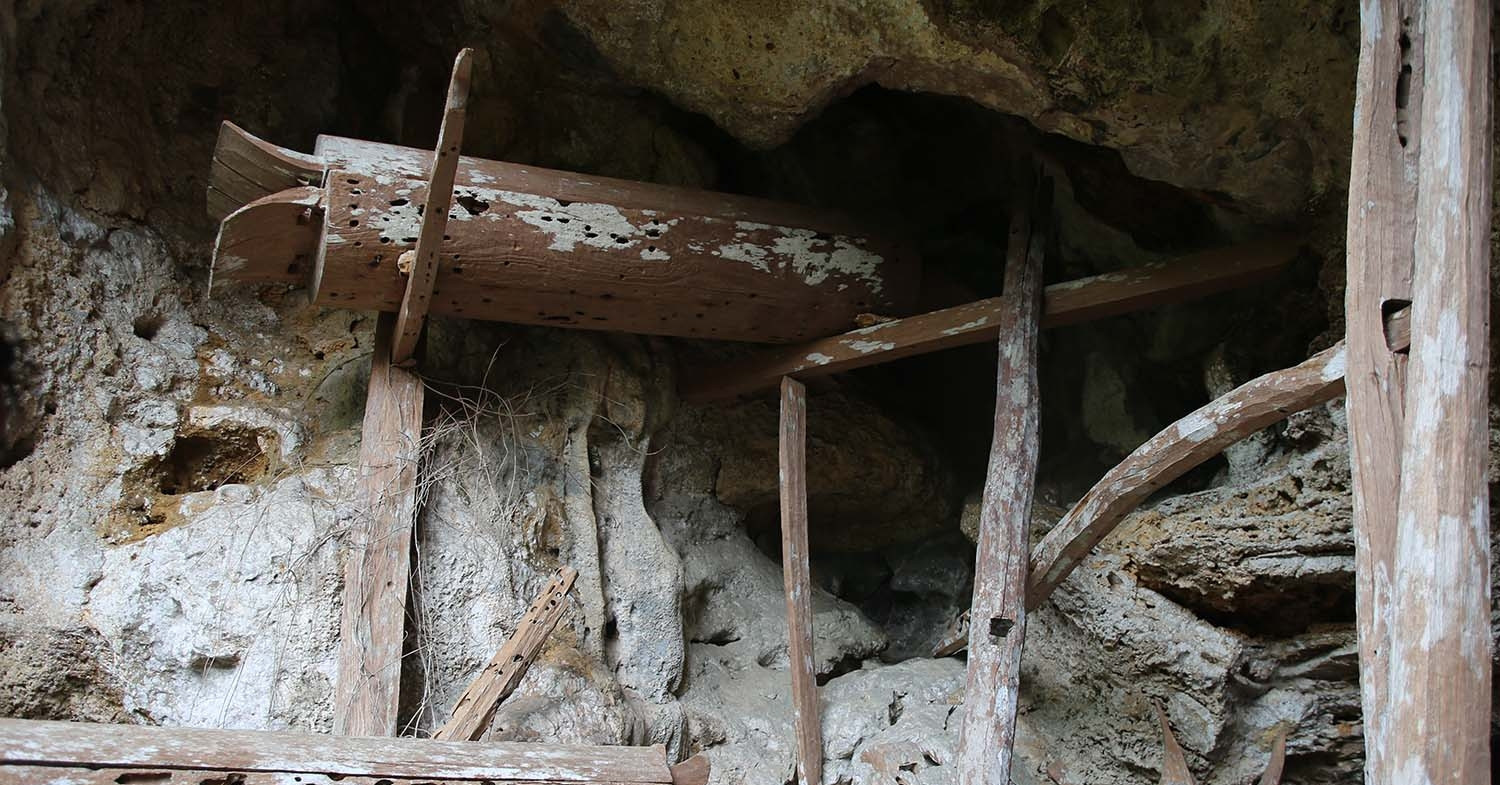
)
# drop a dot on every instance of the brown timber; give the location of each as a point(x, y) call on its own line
point(1437, 723)
point(423, 273)
point(1095, 297)
point(997, 626)
point(538, 246)
point(797, 578)
point(373, 617)
point(71, 745)
point(499, 678)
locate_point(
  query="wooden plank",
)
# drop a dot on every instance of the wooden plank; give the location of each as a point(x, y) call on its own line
point(997, 625)
point(281, 231)
point(1437, 726)
point(1095, 297)
point(1183, 445)
point(471, 716)
point(423, 274)
point(693, 771)
point(1382, 194)
point(373, 618)
point(246, 168)
point(797, 577)
point(44, 743)
point(67, 775)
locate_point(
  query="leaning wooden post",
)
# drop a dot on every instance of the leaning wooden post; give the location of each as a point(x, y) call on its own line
point(373, 619)
point(798, 580)
point(1438, 722)
point(997, 625)
point(372, 622)
point(1381, 225)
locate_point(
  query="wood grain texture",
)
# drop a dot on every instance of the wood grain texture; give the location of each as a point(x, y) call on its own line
point(41, 743)
point(797, 577)
point(70, 775)
point(246, 168)
point(419, 282)
point(1174, 766)
point(270, 238)
point(1438, 700)
point(1095, 297)
point(997, 626)
point(1381, 228)
point(373, 617)
point(476, 707)
point(693, 771)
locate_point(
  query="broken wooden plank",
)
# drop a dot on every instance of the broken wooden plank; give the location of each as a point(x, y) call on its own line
point(693, 771)
point(1174, 766)
point(137, 747)
point(538, 246)
point(423, 274)
point(1181, 446)
point(1437, 726)
point(476, 707)
point(997, 625)
point(68, 775)
point(373, 617)
point(281, 227)
point(246, 168)
point(1095, 297)
point(797, 578)
point(1381, 227)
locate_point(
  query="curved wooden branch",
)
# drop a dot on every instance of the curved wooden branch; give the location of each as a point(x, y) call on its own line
point(1184, 445)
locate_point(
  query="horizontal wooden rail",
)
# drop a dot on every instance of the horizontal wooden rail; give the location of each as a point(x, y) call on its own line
point(1082, 300)
point(31, 743)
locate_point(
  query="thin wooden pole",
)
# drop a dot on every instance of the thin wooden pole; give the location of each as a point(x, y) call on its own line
point(798, 581)
point(1439, 690)
point(373, 618)
point(1381, 226)
point(998, 617)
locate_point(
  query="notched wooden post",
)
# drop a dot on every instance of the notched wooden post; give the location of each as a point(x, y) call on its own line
point(988, 733)
point(798, 582)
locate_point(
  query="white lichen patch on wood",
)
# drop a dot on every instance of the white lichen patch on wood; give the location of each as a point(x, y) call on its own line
point(866, 347)
point(967, 326)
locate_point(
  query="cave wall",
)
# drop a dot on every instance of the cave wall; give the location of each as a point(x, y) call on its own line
point(176, 469)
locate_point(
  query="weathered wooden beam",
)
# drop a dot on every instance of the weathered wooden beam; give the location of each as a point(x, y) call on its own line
point(476, 707)
point(143, 748)
point(1183, 445)
point(1437, 727)
point(373, 617)
point(424, 266)
point(272, 227)
point(70, 775)
point(997, 626)
point(797, 578)
point(1381, 227)
point(539, 246)
point(245, 169)
point(1095, 297)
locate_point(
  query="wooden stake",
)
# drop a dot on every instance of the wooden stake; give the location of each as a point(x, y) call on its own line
point(373, 618)
point(1085, 299)
point(1438, 693)
point(424, 268)
point(499, 678)
point(1382, 199)
point(997, 625)
point(798, 581)
point(1174, 767)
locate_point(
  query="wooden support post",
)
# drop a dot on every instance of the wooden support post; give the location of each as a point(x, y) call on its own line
point(1437, 727)
point(424, 266)
point(798, 581)
point(997, 625)
point(499, 678)
point(152, 755)
point(1085, 299)
point(373, 618)
point(1381, 226)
